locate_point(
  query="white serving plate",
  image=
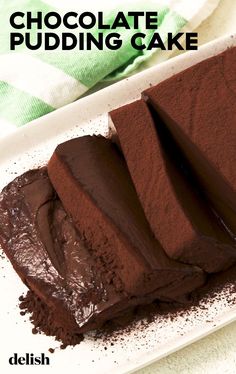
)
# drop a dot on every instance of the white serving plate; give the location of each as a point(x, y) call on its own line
point(31, 146)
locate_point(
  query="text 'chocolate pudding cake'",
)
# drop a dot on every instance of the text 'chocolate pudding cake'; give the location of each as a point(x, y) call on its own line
point(105, 227)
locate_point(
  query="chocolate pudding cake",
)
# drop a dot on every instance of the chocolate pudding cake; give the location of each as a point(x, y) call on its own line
point(93, 183)
point(180, 219)
point(199, 108)
point(105, 227)
point(49, 255)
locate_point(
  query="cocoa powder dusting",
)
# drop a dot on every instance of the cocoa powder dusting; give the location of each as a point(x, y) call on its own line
point(43, 320)
point(138, 318)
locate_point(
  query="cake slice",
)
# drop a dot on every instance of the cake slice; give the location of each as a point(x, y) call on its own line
point(199, 108)
point(91, 179)
point(179, 217)
point(49, 255)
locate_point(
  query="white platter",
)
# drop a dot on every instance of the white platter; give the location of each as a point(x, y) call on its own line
point(31, 146)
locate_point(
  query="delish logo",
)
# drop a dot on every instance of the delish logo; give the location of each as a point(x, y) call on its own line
point(29, 359)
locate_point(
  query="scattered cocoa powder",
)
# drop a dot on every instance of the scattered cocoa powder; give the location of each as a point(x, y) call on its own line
point(142, 316)
point(43, 320)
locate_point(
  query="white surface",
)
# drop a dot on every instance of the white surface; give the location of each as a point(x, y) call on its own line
point(199, 9)
point(32, 146)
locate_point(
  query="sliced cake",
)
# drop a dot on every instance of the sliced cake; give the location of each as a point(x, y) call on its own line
point(199, 108)
point(48, 254)
point(91, 179)
point(180, 218)
point(50, 257)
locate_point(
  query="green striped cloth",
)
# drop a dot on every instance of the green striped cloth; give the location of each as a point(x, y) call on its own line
point(35, 83)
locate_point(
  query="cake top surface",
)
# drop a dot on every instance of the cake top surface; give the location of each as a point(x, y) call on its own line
point(201, 102)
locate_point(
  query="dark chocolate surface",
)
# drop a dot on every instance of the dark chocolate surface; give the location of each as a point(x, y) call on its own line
point(48, 254)
point(98, 193)
point(199, 108)
point(180, 219)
